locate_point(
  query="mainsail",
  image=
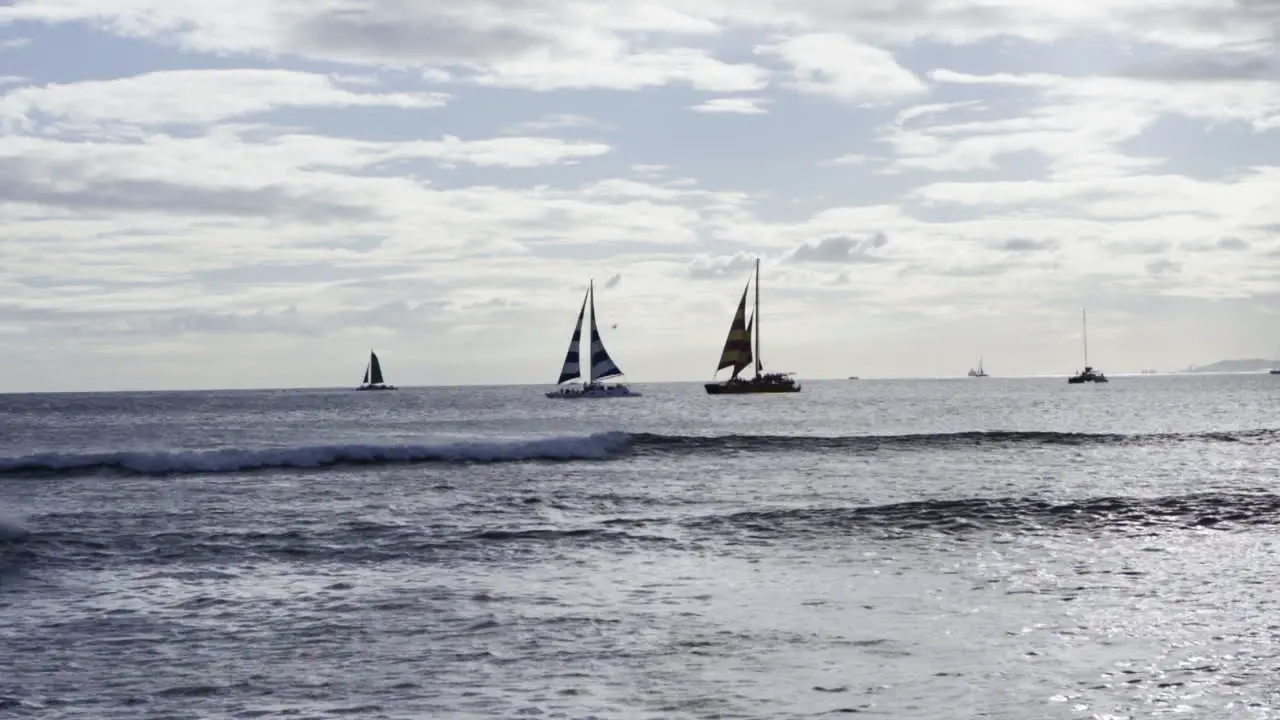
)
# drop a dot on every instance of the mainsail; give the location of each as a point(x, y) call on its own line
point(373, 373)
point(602, 366)
point(737, 346)
point(570, 370)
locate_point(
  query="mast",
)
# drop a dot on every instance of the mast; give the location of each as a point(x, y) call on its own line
point(755, 320)
point(1084, 335)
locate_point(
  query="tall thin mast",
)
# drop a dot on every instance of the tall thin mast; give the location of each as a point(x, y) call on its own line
point(1084, 334)
point(756, 315)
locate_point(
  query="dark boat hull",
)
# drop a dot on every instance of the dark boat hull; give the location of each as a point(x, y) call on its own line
point(376, 387)
point(750, 388)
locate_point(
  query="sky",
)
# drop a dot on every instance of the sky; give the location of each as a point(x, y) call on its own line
point(252, 193)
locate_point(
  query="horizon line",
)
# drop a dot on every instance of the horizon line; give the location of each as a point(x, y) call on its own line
point(859, 378)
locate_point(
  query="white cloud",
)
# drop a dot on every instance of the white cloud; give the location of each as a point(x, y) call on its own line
point(630, 72)
point(848, 159)
point(192, 96)
point(553, 121)
point(732, 106)
point(839, 67)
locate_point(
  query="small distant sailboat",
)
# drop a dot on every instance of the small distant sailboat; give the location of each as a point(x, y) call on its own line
point(1088, 374)
point(373, 375)
point(602, 366)
point(979, 372)
point(738, 354)
point(1275, 364)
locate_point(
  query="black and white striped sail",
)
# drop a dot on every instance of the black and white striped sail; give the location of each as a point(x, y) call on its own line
point(571, 369)
point(602, 366)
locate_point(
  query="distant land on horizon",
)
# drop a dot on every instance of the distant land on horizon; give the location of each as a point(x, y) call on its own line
point(1228, 366)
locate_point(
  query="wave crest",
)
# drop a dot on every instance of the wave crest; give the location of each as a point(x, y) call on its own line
point(596, 446)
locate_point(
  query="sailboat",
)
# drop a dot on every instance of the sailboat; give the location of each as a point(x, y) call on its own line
point(979, 372)
point(1088, 374)
point(602, 366)
point(373, 375)
point(738, 354)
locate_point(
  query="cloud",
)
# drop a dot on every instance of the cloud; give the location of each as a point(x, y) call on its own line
point(1025, 244)
point(708, 268)
point(192, 97)
point(841, 249)
point(69, 187)
point(553, 121)
point(732, 106)
point(836, 66)
point(1200, 68)
point(848, 159)
point(613, 281)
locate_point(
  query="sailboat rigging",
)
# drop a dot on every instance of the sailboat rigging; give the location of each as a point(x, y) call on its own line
point(1088, 374)
point(600, 365)
point(373, 379)
point(738, 354)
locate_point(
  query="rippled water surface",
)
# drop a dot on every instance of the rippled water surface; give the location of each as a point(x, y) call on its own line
point(946, 549)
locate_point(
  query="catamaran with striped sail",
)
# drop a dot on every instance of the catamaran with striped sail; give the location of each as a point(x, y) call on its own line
point(373, 375)
point(602, 366)
point(738, 354)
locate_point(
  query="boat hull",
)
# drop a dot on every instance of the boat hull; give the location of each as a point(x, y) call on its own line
point(750, 388)
point(1077, 380)
point(593, 393)
point(376, 387)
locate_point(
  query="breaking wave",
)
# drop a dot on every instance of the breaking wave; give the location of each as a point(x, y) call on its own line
point(595, 446)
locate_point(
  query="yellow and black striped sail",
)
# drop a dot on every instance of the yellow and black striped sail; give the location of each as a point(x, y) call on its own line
point(737, 347)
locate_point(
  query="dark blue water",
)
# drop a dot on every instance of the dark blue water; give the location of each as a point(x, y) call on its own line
point(939, 549)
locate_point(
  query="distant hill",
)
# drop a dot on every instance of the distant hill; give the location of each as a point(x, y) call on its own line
point(1228, 366)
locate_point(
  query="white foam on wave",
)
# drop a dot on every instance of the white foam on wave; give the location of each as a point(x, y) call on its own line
point(596, 446)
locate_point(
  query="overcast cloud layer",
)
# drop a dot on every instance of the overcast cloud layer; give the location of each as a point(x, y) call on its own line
point(251, 193)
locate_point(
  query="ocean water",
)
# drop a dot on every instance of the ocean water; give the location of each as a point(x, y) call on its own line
point(993, 548)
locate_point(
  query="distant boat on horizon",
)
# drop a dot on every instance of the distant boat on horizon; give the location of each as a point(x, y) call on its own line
point(978, 372)
point(1088, 374)
point(738, 354)
point(373, 375)
point(602, 366)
